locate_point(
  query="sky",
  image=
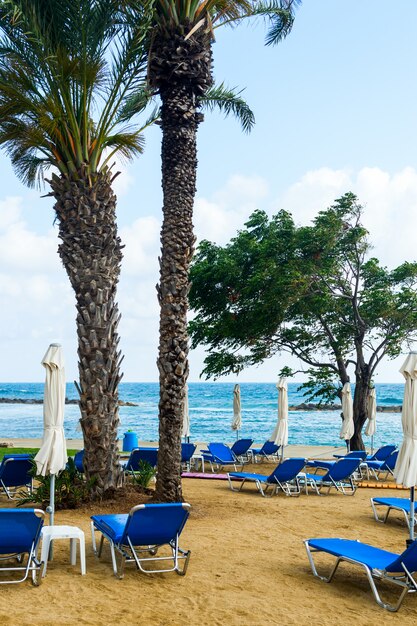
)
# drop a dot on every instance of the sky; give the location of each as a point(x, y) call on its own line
point(336, 111)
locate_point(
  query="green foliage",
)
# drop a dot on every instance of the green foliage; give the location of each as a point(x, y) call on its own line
point(185, 15)
point(228, 101)
point(144, 474)
point(33, 451)
point(72, 76)
point(322, 386)
point(71, 490)
point(312, 291)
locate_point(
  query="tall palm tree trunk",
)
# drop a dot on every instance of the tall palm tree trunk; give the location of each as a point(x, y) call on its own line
point(90, 250)
point(179, 164)
point(181, 69)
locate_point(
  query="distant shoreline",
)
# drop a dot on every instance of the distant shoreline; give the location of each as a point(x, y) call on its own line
point(305, 406)
point(40, 401)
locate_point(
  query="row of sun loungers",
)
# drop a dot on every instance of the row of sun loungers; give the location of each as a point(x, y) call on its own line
point(140, 535)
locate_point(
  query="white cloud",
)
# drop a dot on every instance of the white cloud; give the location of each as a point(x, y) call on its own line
point(218, 218)
point(390, 202)
point(141, 240)
point(10, 210)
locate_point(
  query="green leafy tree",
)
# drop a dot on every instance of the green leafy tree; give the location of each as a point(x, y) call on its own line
point(71, 80)
point(311, 291)
point(180, 72)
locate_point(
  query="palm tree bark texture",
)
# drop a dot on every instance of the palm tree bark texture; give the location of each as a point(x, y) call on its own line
point(90, 251)
point(180, 69)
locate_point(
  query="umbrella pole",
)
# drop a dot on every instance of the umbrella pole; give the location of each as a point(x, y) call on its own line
point(51, 511)
point(372, 444)
point(237, 435)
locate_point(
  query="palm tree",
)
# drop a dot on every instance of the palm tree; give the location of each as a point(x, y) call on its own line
point(70, 82)
point(180, 71)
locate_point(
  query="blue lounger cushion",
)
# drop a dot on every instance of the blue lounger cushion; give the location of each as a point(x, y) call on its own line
point(374, 558)
point(249, 476)
point(112, 526)
point(397, 503)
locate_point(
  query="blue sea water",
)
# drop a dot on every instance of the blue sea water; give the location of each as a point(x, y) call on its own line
point(211, 412)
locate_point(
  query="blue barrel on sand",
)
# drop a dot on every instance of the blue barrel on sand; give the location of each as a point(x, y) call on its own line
point(130, 441)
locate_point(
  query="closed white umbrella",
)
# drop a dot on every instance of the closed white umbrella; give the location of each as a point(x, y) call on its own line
point(348, 427)
point(371, 423)
point(405, 471)
point(186, 416)
point(52, 456)
point(280, 433)
point(237, 411)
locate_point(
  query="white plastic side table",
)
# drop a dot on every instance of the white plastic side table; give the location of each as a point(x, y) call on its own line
point(73, 533)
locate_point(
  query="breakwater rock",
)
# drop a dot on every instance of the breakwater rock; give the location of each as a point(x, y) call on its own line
point(40, 401)
point(310, 406)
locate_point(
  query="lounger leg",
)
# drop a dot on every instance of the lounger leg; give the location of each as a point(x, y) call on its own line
point(378, 519)
point(36, 569)
point(230, 484)
point(385, 605)
point(187, 558)
point(113, 560)
point(100, 548)
point(326, 579)
point(6, 490)
point(93, 538)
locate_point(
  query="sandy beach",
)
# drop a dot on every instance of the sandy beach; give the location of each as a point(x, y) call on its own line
point(248, 566)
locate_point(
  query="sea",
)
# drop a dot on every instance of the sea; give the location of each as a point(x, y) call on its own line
point(211, 413)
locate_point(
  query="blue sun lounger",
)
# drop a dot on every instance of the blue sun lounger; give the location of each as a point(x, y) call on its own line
point(268, 451)
point(327, 464)
point(387, 466)
point(240, 449)
point(143, 531)
point(149, 455)
point(16, 472)
point(391, 504)
point(378, 564)
point(284, 477)
point(79, 461)
point(339, 476)
point(219, 455)
point(381, 454)
point(187, 451)
point(19, 536)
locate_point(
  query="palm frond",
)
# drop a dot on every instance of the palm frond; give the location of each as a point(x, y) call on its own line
point(134, 104)
point(230, 103)
point(71, 69)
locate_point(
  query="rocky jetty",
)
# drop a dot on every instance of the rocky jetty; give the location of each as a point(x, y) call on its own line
point(40, 401)
point(309, 406)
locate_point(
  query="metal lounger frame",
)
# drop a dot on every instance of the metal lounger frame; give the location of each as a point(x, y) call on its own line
point(389, 509)
point(130, 554)
point(219, 464)
point(375, 473)
point(290, 488)
point(405, 580)
point(347, 487)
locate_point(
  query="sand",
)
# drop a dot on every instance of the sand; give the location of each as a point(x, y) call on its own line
point(248, 567)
